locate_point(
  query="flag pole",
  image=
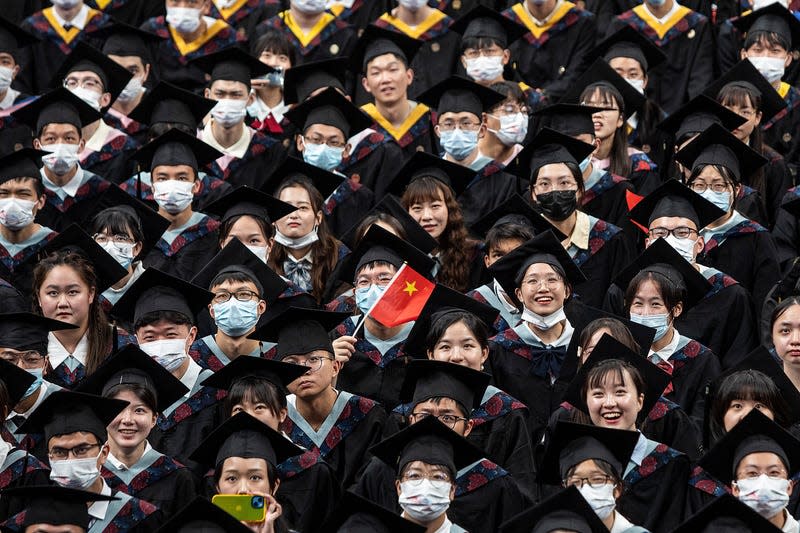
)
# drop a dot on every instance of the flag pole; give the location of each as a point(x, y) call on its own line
point(391, 282)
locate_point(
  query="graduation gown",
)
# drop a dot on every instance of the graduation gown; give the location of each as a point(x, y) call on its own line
point(551, 57)
point(57, 214)
point(778, 182)
point(155, 478)
point(786, 232)
point(20, 469)
point(644, 175)
point(360, 13)
point(245, 15)
point(17, 269)
point(258, 162)
point(687, 40)
point(207, 353)
point(750, 204)
point(606, 198)
point(414, 135)
point(132, 12)
point(486, 295)
point(211, 189)
point(110, 160)
point(354, 424)
point(490, 187)
point(70, 371)
point(345, 207)
point(329, 39)
point(186, 255)
point(32, 443)
point(781, 131)
point(369, 158)
point(128, 126)
point(309, 491)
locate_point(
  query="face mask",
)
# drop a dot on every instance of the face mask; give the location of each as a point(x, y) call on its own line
point(75, 473)
point(764, 495)
point(262, 252)
point(771, 68)
point(38, 374)
point(425, 502)
point(61, 159)
point(685, 247)
point(225, 4)
point(543, 322)
point(539, 2)
point(169, 353)
point(322, 156)
point(89, 96)
point(656, 3)
point(637, 84)
point(557, 205)
point(184, 19)
point(6, 77)
point(413, 5)
point(601, 499)
point(658, 322)
point(758, 4)
point(300, 242)
point(173, 195)
point(229, 112)
point(459, 143)
point(485, 68)
point(131, 91)
point(275, 79)
point(367, 296)
point(122, 253)
point(16, 214)
point(719, 199)
point(311, 7)
point(513, 129)
point(583, 165)
point(236, 318)
point(65, 4)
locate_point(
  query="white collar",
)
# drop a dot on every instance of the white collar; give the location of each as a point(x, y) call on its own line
point(640, 450)
point(119, 465)
point(95, 142)
point(675, 7)
point(621, 524)
point(68, 189)
point(544, 21)
point(347, 4)
point(8, 100)
point(791, 525)
point(239, 147)
point(79, 21)
point(665, 353)
point(57, 352)
point(190, 377)
point(261, 110)
point(498, 291)
point(98, 510)
point(308, 257)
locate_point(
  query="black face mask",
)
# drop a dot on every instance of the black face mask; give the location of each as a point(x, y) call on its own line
point(557, 205)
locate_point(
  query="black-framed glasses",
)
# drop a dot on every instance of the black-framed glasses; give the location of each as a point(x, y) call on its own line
point(681, 232)
point(30, 358)
point(81, 451)
point(242, 295)
point(313, 363)
point(448, 420)
point(595, 481)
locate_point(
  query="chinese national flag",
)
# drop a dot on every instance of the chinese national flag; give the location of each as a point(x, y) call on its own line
point(403, 299)
point(633, 199)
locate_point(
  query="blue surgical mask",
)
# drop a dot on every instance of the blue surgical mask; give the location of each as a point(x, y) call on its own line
point(660, 323)
point(38, 374)
point(367, 296)
point(583, 165)
point(322, 156)
point(459, 143)
point(236, 318)
point(719, 199)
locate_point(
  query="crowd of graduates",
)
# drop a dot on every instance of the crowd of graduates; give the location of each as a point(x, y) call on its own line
point(429, 266)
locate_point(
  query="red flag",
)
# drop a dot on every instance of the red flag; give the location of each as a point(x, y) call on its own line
point(403, 299)
point(633, 199)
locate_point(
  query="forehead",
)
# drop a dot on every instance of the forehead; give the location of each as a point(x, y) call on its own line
point(59, 129)
point(324, 130)
point(761, 460)
point(162, 326)
point(383, 61)
point(553, 171)
point(228, 86)
point(244, 464)
point(295, 194)
point(83, 74)
point(625, 63)
point(19, 183)
point(710, 173)
point(443, 404)
point(540, 269)
point(173, 169)
point(72, 439)
point(462, 115)
point(672, 223)
point(376, 270)
point(231, 285)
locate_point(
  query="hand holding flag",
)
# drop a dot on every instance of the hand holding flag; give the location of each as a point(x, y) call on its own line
point(403, 299)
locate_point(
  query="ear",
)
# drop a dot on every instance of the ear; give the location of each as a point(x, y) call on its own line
point(91, 294)
point(699, 244)
point(37, 144)
point(644, 85)
point(640, 402)
point(15, 71)
point(137, 249)
point(506, 56)
point(81, 145)
point(484, 355)
point(101, 458)
point(743, 53)
point(468, 428)
point(677, 310)
point(105, 99)
point(486, 260)
point(397, 486)
point(191, 337)
point(647, 242)
point(318, 218)
point(275, 486)
point(788, 60)
point(735, 489)
point(429, 353)
point(464, 62)
point(410, 76)
point(207, 92)
point(196, 185)
point(758, 118)
point(452, 491)
point(346, 151)
point(299, 143)
point(211, 311)
point(42, 199)
point(251, 98)
point(337, 367)
point(146, 72)
point(282, 415)
point(365, 85)
point(262, 306)
point(518, 294)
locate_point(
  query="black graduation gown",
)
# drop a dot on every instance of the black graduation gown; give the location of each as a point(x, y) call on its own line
point(259, 161)
point(553, 59)
point(781, 131)
point(607, 200)
point(309, 491)
point(458, 8)
point(187, 254)
point(786, 232)
point(644, 175)
point(369, 159)
point(132, 12)
point(778, 181)
point(18, 269)
point(490, 187)
point(345, 208)
point(687, 40)
point(245, 15)
point(333, 37)
point(17, 10)
point(111, 160)
point(414, 135)
point(20, 469)
point(362, 13)
point(57, 214)
point(14, 135)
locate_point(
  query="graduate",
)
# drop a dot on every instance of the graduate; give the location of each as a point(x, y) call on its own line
point(74, 426)
point(336, 425)
point(567, 509)
point(552, 54)
point(13, 42)
point(354, 512)
point(244, 15)
point(162, 310)
point(133, 466)
point(726, 512)
point(187, 33)
point(201, 513)
point(174, 160)
point(506, 124)
point(685, 37)
point(48, 506)
point(59, 29)
point(129, 11)
point(265, 114)
point(359, 13)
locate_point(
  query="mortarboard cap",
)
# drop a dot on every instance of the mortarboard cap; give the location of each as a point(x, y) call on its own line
point(174, 148)
point(332, 109)
point(299, 331)
point(24, 163)
point(601, 74)
point(355, 514)
point(131, 366)
point(120, 39)
point(569, 119)
point(515, 210)
point(423, 164)
point(547, 147)
point(378, 244)
point(564, 511)
point(718, 146)
point(627, 42)
point(16, 381)
point(55, 505)
point(248, 201)
point(375, 42)
point(24, 331)
point(697, 115)
point(202, 516)
point(167, 103)
point(232, 64)
point(302, 80)
point(13, 38)
point(674, 199)
point(325, 182)
point(744, 74)
point(726, 514)
point(459, 95)
point(278, 373)
point(59, 106)
point(482, 22)
point(86, 58)
point(773, 18)
point(426, 379)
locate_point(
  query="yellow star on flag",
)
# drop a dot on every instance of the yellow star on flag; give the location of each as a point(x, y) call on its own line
point(411, 288)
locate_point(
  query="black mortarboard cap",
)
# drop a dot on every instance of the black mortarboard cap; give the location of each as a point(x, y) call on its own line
point(547, 147)
point(426, 379)
point(726, 514)
point(355, 514)
point(86, 58)
point(325, 182)
point(569, 119)
point(601, 74)
point(754, 433)
point(332, 109)
point(59, 106)
point(299, 331)
point(571, 444)
point(697, 115)
point(153, 224)
point(15, 379)
point(167, 103)
point(482, 22)
point(564, 511)
point(202, 516)
point(627, 42)
point(674, 199)
point(131, 366)
point(247, 201)
point(655, 379)
point(459, 95)
point(389, 205)
point(157, 291)
point(278, 373)
point(423, 164)
point(444, 300)
point(773, 18)
point(13, 38)
point(74, 239)
point(174, 148)
point(744, 74)
point(302, 80)
point(543, 248)
point(23, 163)
point(378, 244)
point(65, 412)
point(236, 257)
point(375, 42)
point(232, 64)
point(55, 505)
point(120, 39)
point(27, 331)
point(515, 210)
point(718, 146)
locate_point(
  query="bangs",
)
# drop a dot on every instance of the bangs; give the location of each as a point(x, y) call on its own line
point(737, 95)
point(603, 94)
point(117, 221)
point(424, 189)
point(601, 377)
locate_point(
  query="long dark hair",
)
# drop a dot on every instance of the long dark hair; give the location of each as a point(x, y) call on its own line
point(620, 160)
point(119, 220)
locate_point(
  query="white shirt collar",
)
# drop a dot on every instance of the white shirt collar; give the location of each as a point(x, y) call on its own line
point(57, 352)
point(98, 510)
point(69, 189)
point(546, 20)
point(261, 110)
point(308, 257)
point(621, 524)
point(95, 142)
point(640, 450)
point(79, 21)
point(8, 100)
point(675, 7)
point(791, 525)
point(190, 377)
point(119, 465)
point(665, 353)
point(239, 147)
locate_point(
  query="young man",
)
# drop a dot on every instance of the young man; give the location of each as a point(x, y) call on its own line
point(244, 15)
point(55, 508)
point(13, 42)
point(132, 12)
point(174, 160)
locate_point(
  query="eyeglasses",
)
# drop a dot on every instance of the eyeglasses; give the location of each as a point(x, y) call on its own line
point(81, 451)
point(448, 420)
point(701, 186)
point(30, 359)
point(681, 232)
point(464, 125)
point(242, 295)
point(333, 143)
point(511, 109)
point(474, 53)
point(102, 238)
point(550, 283)
point(415, 478)
point(560, 185)
point(381, 281)
point(594, 481)
point(313, 363)
point(83, 83)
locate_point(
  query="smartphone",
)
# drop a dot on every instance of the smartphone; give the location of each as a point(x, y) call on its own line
point(243, 507)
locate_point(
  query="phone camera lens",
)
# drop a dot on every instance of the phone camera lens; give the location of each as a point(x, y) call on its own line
point(258, 502)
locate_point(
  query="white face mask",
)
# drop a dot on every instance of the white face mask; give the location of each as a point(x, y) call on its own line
point(685, 247)
point(636, 84)
point(758, 4)
point(425, 501)
point(513, 129)
point(173, 195)
point(764, 495)
point(65, 4)
point(311, 7)
point(229, 112)
point(601, 499)
point(88, 96)
point(131, 91)
point(300, 242)
point(772, 68)
point(75, 473)
point(485, 68)
point(262, 252)
point(224, 4)
point(61, 159)
point(413, 5)
point(6, 77)
point(169, 353)
point(123, 253)
point(184, 19)
point(16, 214)
point(543, 322)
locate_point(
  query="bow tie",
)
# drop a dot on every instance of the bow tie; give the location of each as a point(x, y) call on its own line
point(299, 273)
point(547, 362)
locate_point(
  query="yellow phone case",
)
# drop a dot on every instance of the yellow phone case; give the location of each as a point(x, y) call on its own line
point(243, 507)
